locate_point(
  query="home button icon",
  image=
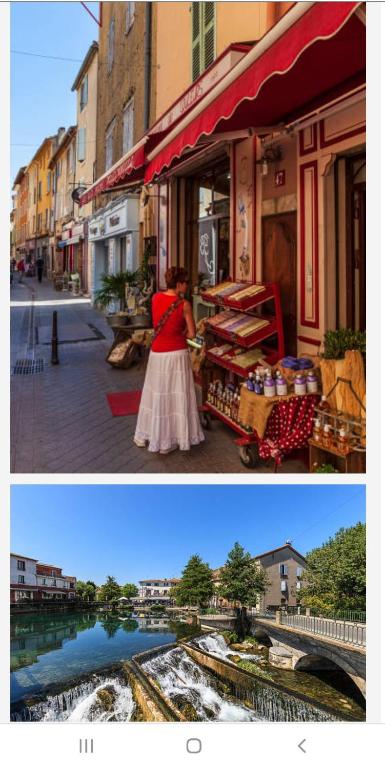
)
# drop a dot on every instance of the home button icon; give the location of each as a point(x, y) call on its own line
point(194, 746)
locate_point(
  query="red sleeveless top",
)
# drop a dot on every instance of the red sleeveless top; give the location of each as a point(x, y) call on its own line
point(172, 336)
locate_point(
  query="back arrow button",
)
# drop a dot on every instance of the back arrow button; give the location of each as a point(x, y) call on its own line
point(301, 747)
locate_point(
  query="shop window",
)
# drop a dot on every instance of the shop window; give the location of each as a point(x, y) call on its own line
point(81, 144)
point(203, 37)
point(111, 43)
point(84, 93)
point(109, 145)
point(130, 15)
point(128, 126)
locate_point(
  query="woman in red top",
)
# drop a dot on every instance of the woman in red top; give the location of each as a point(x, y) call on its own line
point(168, 415)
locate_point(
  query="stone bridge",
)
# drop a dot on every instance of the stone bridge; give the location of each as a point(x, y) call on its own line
point(306, 649)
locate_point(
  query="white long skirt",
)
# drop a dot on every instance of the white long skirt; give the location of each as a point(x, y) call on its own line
point(168, 415)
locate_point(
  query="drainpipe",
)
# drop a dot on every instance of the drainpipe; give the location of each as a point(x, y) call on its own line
point(147, 65)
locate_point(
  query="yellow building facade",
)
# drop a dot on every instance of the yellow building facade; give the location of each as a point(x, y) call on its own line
point(218, 25)
point(39, 209)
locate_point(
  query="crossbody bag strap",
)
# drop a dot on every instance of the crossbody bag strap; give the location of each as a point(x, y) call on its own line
point(163, 320)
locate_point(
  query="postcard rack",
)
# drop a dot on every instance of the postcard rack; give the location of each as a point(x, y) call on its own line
point(240, 328)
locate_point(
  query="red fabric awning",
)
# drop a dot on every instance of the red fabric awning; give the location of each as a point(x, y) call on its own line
point(319, 57)
point(129, 169)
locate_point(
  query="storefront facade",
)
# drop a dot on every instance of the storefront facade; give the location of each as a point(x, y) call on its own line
point(283, 204)
point(113, 240)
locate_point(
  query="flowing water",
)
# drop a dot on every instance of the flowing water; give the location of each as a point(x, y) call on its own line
point(80, 703)
point(185, 683)
point(216, 645)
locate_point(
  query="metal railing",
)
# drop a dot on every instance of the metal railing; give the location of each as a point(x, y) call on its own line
point(345, 631)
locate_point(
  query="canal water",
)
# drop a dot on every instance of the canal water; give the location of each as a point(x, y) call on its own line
point(48, 649)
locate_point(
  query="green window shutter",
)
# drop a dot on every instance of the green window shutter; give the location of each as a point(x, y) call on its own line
point(196, 40)
point(203, 37)
point(209, 34)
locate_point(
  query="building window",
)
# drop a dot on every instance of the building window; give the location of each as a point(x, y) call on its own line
point(128, 126)
point(283, 570)
point(283, 586)
point(110, 145)
point(81, 142)
point(39, 193)
point(39, 222)
point(130, 14)
point(21, 565)
point(111, 43)
point(203, 37)
point(299, 572)
point(20, 580)
point(46, 218)
point(48, 181)
point(34, 194)
point(84, 93)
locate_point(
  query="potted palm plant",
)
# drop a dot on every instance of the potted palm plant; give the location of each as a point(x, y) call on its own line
point(112, 293)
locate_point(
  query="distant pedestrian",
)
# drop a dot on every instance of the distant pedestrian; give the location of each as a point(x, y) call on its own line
point(40, 267)
point(21, 269)
point(13, 264)
point(168, 414)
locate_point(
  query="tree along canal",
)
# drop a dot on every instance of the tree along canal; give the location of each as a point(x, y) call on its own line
point(68, 666)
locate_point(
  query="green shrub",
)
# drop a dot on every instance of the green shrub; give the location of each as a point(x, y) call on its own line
point(336, 343)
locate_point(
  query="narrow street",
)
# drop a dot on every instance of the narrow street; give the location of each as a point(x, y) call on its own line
point(60, 418)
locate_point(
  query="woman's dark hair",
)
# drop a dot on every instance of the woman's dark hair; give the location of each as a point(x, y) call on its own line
point(175, 275)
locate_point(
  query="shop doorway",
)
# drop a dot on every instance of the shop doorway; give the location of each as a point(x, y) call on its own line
point(207, 196)
point(279, 265)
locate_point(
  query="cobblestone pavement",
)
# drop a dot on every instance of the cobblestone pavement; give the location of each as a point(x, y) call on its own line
point(60, 418)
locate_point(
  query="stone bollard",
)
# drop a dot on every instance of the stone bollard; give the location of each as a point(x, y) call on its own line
point(278, 617)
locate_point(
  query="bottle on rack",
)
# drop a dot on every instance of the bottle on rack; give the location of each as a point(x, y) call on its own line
point(269, 386)
point(317, 430)
point(312, 384)
point(250, 382)
point(343, 443)
point(324, 407)
point(299, 384)
point(210, 393)
point(281, 385)
point(258, 386)
point(326, 436)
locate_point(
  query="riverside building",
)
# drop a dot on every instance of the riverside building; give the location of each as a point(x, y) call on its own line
point(31, 580)
point(155, 591)
point(284, 568)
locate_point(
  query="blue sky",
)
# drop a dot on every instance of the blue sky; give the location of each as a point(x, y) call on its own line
point(138, 532)
point(41, 97)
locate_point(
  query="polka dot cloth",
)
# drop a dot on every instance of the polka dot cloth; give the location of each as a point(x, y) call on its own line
point(289, 426)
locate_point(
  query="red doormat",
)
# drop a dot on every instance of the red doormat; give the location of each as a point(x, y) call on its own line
point(124, 403)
